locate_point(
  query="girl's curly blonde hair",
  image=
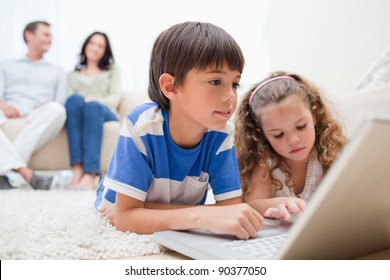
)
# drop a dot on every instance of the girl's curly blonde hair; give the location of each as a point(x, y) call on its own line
point(251, 145)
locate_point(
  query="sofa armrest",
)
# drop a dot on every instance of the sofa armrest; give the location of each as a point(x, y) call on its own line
point(129, 101)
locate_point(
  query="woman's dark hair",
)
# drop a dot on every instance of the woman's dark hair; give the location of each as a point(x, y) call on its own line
point(107, 60)
point(187, 46)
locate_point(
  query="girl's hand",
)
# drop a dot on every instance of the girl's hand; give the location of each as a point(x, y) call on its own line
point(284, 210)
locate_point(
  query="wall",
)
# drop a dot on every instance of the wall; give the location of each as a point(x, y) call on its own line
point(132, 29)
point(332, 42)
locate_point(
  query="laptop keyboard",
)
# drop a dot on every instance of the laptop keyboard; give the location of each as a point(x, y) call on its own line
point(265, 247)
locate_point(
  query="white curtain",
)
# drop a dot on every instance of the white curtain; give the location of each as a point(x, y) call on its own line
point(132, 26)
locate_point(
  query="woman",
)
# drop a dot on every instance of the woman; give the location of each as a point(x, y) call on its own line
point(94, 86)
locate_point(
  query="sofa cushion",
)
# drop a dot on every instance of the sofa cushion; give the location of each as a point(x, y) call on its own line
point(55, 154)
point(378, 73)
point(353, 107)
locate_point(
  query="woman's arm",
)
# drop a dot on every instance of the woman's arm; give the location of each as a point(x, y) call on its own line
point(113, 97)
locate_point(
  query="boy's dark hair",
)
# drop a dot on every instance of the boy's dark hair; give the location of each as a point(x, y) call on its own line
point(107, 60)
point(32, 26)
point(186, 46)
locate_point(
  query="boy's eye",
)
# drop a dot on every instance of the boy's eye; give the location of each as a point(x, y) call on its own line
point(279, 136)
point(301, 127)
point(236, 85)
point(215, 82)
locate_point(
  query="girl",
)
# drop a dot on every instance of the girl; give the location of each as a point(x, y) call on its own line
point(95, 86)
point(286, 140)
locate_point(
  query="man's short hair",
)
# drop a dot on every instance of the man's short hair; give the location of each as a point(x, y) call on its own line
point(186, 46)
point(32, 26)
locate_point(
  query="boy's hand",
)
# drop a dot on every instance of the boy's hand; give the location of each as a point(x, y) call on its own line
point(240, 220)
point(284, 210)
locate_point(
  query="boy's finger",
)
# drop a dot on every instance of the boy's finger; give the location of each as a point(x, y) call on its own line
point(256, 220)
point(249, 228)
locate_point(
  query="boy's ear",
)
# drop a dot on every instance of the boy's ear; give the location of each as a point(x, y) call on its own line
point(167, 85)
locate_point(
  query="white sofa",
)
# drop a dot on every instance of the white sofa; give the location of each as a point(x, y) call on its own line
point(55, 154)
point(353, 107)
point(358, 90)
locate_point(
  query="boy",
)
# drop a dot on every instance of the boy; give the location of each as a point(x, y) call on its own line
point(170, 151)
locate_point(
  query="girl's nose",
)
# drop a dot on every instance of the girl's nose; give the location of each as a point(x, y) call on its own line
point(294, 139)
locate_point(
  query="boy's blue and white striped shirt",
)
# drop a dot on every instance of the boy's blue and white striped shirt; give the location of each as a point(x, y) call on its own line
point(148, 166)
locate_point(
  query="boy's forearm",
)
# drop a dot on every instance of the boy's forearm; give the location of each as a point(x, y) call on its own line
point(240, 220)
point(148, 221)
point(237, 219)
point(164, 206)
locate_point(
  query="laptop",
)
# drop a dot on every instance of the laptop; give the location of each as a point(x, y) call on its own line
point(347, 217)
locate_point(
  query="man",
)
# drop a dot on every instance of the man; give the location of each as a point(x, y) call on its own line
point(33, 89)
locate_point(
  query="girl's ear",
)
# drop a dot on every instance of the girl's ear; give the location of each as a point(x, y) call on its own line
point(167, 85)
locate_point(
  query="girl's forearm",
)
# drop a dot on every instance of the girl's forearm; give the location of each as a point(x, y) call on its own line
point(262, 204)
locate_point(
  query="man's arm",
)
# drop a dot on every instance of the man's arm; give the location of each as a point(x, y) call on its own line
point(2, 81)
point(8, 110)
point(62, 86)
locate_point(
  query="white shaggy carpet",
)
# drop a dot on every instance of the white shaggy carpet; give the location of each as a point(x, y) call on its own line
point(63, 224)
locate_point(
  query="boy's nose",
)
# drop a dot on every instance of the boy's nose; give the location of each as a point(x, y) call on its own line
point(230, 96)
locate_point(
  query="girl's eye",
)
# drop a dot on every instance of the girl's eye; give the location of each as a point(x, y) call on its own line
point(279, 136)
point(215, 82)
point(236, 85)
point(301, 127)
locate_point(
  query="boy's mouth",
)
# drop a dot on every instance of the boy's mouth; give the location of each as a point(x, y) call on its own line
point(224, 113)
